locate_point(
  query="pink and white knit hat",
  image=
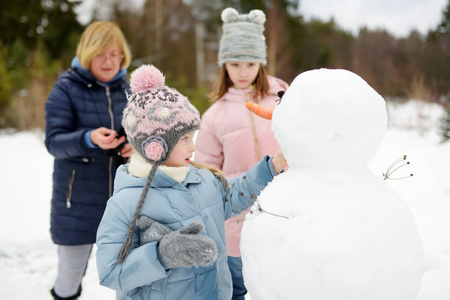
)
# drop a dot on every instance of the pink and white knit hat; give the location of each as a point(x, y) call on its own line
point(155, 118)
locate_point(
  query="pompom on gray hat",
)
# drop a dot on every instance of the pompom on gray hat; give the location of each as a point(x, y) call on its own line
point(242, 37)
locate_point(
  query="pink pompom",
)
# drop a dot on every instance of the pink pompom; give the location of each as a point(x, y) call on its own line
point(154, 151)
point(146, 78)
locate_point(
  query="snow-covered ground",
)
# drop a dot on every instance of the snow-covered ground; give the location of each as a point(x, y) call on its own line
point(28, 257)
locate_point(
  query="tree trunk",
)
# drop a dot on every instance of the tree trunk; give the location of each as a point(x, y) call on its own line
point(272, 25)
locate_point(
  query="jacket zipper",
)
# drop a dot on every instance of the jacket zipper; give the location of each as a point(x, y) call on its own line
point(111, 115)
point(69, 191)
point(254, 129)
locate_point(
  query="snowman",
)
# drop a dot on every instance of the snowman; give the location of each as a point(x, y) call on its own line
point(328, 228)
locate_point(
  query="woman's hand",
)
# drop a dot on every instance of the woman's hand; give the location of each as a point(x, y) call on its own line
point(279, 162)
point(106, 138)
point(127, 150)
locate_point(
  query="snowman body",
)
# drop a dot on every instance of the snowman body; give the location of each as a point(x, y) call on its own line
point(330, 228)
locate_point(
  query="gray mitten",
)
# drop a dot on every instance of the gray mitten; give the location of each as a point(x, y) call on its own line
point(184, 248)
point(153, 230)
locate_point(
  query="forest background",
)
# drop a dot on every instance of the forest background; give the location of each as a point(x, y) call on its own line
point(38, 39)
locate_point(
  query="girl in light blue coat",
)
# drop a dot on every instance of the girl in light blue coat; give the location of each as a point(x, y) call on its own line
point(162, 234)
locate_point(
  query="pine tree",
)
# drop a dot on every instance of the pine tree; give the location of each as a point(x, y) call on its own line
point(445, 24)
point(445, 126)
point(444, 28)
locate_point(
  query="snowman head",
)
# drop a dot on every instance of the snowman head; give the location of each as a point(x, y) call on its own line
point(329, 118)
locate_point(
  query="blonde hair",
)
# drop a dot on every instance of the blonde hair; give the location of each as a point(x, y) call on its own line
point(223, 83)
point(96, 37)
point(216, 172)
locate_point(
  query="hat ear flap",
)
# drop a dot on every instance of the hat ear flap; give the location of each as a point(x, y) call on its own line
point(155, 148)
point(257, 16)
point(229, 15)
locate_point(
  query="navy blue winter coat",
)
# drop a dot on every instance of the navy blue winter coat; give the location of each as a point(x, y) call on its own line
point(83, 177)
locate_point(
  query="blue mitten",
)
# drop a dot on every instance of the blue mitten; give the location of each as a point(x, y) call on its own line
point(153, 230)
point(184, 248)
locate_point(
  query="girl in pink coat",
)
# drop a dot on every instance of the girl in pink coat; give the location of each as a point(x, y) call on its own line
point(231, 138)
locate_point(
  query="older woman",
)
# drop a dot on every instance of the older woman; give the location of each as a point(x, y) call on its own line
point(83, 116)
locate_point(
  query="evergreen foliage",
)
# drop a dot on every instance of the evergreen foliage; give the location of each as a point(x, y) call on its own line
point(444, 27)
point(180, 37)
point(445, 126)
point(5, 82)
point(36, 36)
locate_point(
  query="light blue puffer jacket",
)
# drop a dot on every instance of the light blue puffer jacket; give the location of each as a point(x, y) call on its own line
point(199, 197)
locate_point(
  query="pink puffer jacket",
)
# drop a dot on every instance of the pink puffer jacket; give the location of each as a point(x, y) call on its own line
point(233, 139)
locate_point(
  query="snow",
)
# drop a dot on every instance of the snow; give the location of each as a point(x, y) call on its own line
point(339, 231)
point(28, 259)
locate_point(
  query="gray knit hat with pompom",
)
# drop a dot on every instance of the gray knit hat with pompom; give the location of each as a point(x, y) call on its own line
point(242, 38)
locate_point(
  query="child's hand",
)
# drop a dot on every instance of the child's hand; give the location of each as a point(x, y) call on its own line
point(184, 248)
point(153, 230)
point(279, 162)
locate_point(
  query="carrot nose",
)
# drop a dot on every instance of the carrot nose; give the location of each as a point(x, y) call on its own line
point(263, 112)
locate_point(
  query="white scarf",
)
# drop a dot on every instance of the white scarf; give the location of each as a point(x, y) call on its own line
point(139, 167)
